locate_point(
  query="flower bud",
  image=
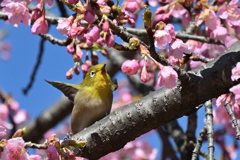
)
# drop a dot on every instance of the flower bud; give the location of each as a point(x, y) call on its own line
point(3, 143)
point(144, 75)
point(105, 26)
point(132, 7)
point(133, 43)
point(130, 67)
point(69, 73)
point(70, 48)
point(147, 15)
point(20, 132)
point(77, 70)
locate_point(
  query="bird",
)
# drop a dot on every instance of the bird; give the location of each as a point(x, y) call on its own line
point(92, 98)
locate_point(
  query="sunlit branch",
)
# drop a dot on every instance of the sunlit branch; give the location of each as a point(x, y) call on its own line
point(210, 131)
point(198, 145)
point(36, 146)
point(234, 120)
point(54, 40)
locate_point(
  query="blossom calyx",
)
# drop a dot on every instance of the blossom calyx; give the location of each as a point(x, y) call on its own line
point(133, 43)
point(142, 50)
point(3, 143)
point(160, 26)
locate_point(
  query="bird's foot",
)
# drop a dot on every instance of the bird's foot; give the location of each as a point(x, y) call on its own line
point(68, 136)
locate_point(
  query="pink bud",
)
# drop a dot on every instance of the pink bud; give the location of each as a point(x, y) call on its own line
point(132, 6)
point(52, 153)
point(35, 157)
point(36, 13)
point(73, 1)
point(77, 70)
point(4, 111)
point(144, 75)
point(130, 67)
point(89, 14)
point(105, 26)
point(110, 39)
point(69, 73)
point(101, 41)
point(92, 35)
point(70, 48)
point(79, 52)
point(40, 26)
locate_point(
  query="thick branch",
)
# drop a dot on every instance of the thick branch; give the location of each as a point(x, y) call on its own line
point(159, 107)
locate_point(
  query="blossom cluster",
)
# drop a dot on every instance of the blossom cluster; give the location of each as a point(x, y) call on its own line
point(15, 147)
point(19, 116)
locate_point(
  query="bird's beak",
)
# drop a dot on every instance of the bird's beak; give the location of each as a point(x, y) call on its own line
point(104, 68)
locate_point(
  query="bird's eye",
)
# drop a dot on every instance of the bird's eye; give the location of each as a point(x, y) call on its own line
point(92, 73)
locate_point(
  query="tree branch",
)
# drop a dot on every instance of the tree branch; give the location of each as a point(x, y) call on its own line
point(159, 107)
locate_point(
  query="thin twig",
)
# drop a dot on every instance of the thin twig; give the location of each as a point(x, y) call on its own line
point(36, 146)
point(209, 126)
point(25, 91)
point(198, 146)
point(179, 34)
point(54, 40)
point(201, 153)
point(234, 121)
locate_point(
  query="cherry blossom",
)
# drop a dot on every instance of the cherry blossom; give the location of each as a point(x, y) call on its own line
point(110, 39)
point(210, 18)
point(236, 72)
point(167, 77)
point(40, 26)
point(14, 150)
point(89, 14)
point(65, 25)
point(170, 29)
point(52, 153)
point(229, 40)
point(130, 67)
point(162, 38)
point(230, 12)
point(16, 13)
point(219, 33)
point(92, 35)
point(35, 157)
point(177, 48)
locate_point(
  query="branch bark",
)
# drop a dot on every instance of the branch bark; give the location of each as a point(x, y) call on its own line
point(159, 107)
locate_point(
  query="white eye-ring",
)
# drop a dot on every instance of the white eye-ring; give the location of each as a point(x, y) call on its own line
point(92, 73)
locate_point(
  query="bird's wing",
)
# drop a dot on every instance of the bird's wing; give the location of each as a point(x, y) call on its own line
point(69, 90)
point(114, 85)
